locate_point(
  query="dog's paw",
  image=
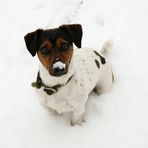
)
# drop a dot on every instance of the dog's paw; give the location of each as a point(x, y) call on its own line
point(77, 122)
point(52, 112)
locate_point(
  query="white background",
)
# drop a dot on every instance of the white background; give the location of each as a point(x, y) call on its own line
point(116, 119)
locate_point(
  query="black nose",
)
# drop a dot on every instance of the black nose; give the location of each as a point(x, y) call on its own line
point(58, 71)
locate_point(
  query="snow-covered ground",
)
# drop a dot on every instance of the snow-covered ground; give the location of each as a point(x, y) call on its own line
point(116, 119)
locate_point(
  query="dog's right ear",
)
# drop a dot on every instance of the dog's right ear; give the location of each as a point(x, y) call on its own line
point(32, 41)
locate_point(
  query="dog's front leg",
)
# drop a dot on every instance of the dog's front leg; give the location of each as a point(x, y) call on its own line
point(77, 116)
point(52, 112)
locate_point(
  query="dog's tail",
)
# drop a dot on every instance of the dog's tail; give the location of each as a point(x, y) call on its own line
point(107, 46)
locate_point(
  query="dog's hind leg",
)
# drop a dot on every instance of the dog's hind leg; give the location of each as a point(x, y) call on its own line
point(104, 84)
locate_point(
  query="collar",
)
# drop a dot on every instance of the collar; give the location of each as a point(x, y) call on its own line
point(49, 90)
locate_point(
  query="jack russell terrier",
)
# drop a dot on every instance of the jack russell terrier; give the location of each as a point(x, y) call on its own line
point(66, 76)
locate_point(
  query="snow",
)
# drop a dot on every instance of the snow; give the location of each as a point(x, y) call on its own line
point(118, 118)
point(59, 64)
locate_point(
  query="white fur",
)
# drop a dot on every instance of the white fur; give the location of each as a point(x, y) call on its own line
point(73, 96)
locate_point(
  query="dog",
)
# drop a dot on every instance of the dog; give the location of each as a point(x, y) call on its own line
point(66, 75)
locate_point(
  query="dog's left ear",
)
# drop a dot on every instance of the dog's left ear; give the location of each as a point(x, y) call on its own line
point(74, 31)
point(32, 41)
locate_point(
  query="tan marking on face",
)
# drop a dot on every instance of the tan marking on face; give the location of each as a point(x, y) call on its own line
point(47, 44)
point(60, 41)
point(66, 55)
point(55, 52)
point(46, 60)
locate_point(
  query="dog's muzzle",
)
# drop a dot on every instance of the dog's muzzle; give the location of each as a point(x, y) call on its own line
point(59, 68)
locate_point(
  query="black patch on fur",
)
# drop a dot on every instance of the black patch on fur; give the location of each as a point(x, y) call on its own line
point(113, 77)
point(97, 63)
point(96, 53)
point(103, 61)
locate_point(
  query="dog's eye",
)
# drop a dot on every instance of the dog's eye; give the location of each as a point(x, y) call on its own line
point(65, 46)
point(44, 50)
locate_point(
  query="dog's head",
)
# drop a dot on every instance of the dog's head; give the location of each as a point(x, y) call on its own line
point(54, 47)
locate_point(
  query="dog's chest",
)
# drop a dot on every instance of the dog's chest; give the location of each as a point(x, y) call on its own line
point(64, 100)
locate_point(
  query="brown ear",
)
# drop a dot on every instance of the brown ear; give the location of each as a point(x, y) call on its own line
point(32, 41)
point(74, 31)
